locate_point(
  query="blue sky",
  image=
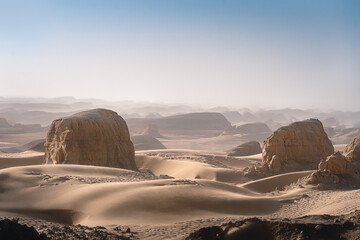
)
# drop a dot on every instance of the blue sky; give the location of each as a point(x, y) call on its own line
point(283, 53)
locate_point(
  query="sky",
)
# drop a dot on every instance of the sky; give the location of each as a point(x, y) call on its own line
point(254, 53)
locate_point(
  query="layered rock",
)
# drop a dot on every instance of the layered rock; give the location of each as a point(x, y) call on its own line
point(95, 137)
point(352, 150)
point(300, 142)
point(246, 149)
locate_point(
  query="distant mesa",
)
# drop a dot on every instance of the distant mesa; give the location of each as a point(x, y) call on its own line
point(39, 147)
point(203, 123)
point(247, 128)
point(4, 123)
point(153, 131)
point(342, 136)
point(96, 137)
point(36, 145)
point(233, 116)
point(300, 142)
point(153, 115)
point(146, 142)
point(246, 149)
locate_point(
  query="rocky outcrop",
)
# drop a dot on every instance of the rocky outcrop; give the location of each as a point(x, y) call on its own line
point(352, 150)
point(300, 142)
point(305, 227)
point(11, 229)
point(347, 163)
point(336, 164)
point(246, 149)
point(95, 137)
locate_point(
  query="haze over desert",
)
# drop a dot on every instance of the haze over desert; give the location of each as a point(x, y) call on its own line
point(196, 120)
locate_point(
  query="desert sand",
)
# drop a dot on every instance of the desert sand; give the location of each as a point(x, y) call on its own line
point(183, 192)
point(172, 192)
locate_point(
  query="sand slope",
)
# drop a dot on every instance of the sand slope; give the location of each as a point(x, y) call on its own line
point(21, 159)
point(100, 196)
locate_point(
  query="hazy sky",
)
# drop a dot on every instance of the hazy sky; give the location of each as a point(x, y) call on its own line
point(281, 53)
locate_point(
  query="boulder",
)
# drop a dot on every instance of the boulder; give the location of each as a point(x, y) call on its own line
point(352, 150)
point(246, 149)
point(95, 137)
point(300, 143)
point(336, 164)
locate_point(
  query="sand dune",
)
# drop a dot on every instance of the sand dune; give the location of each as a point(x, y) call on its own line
point(270, 184)
point(21, 159)
point(29, 190)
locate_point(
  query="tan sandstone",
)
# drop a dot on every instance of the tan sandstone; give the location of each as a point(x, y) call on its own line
point(95, 137)
point(352, 150)
point(336, 164)
point(300, 142)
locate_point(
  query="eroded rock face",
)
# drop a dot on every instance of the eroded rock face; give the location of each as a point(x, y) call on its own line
point(95, 137)
point(352, 150)
point(246, 149)
point(336, 164)
point(300, 142)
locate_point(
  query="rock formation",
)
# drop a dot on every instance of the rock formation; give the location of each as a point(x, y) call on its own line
point(4, 123)
point(246, 149)
point(336, 164)
point(352, 150)
point(95, 137)
point(152, 130)
point(146, 142)
point(11, 229)
point(346, 163)
point(248, 128)
point(300, 142)
point(210, 123)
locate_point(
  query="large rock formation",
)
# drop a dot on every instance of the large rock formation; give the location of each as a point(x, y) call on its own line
point(246, 149)
point(95, 137)
point(300, 142)
point(352, 150)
